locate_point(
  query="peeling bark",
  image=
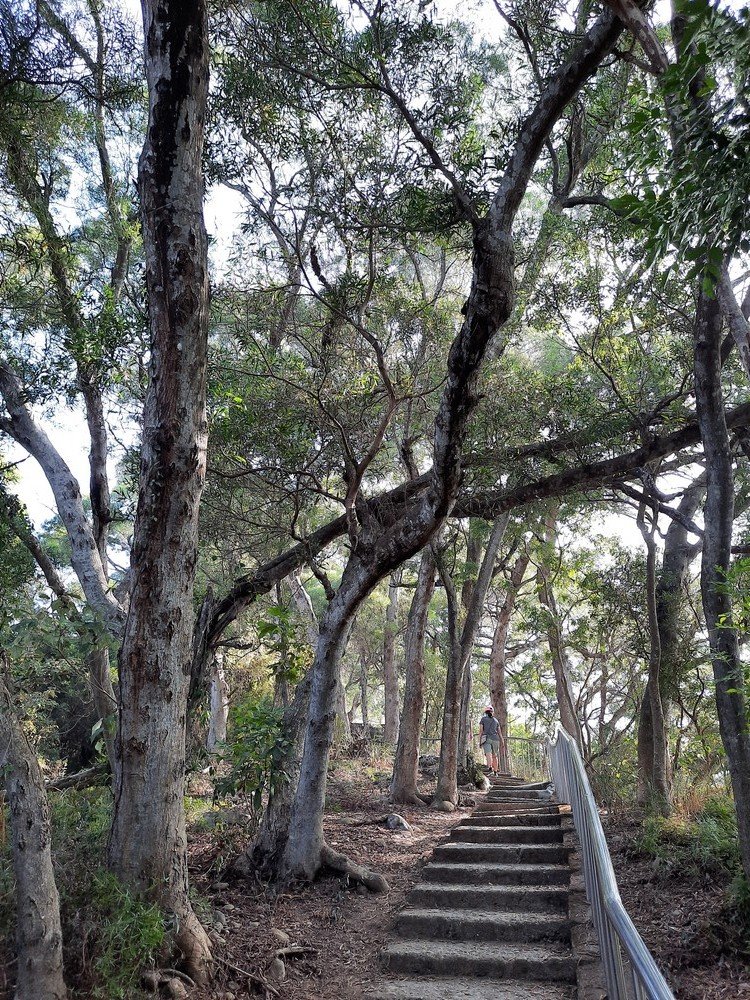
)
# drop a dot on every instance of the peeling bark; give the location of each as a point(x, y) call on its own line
point(148, 847)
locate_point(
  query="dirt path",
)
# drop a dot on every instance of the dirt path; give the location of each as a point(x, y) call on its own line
point(345, 927)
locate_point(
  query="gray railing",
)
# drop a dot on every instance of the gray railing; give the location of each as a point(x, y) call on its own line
point(629, 967)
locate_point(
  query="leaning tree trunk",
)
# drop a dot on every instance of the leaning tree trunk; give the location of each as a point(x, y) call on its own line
point(390, 674)
point(498, 655)
point(301, 599)
point(731, 702)
point(38, 931)
point(305, 850)
point(148, 847)
point(382, 541)
point(406, 763)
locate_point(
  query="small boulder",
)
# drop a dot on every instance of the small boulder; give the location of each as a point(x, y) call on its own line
point(281, 936)
point(176, 989)
point(277, 971)
point(395, 822)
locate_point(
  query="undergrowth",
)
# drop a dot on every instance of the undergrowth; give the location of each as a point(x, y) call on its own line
point(704, 840)
point(109, 935)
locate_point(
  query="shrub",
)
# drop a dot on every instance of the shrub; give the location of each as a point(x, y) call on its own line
point(255, 753)
point(130, 936)
point(706, 841)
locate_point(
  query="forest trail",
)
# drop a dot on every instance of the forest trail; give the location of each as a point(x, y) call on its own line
point(490, 918)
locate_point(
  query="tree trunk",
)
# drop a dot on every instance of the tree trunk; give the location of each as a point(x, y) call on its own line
point(406, 763)
point(218, 704)
point(717, 541)
point(148, 848)
point(471, 570)
point(363, 696)
point(38, 931)
point(460, 652)
point(390, 674)
point(382, 540)
point(565, 700)
point(105, 702)
point(267, 850)
point(342, 734)
point(446, 792)
point(670, 599)
point(659, 787)
point(305, 851)
point(498, 693)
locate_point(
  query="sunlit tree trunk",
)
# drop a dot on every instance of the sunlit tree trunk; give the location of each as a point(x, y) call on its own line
point(218, 712)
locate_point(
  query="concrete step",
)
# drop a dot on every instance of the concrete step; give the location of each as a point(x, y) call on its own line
point(500, 783)
point(450, 988)
point(495, 873)
point(489, 898)
point(515, 809)
point(474, 925)
point(507, 834)
point(547, 962)
point(512, 819)
point(521, 794)
point(551, 854)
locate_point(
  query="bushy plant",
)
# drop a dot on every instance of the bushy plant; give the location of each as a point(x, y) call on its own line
point(706, 840)
point(255, 752)
point(130, 934)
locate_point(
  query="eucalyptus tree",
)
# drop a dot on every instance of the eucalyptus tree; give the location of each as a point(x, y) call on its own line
point(379, 547)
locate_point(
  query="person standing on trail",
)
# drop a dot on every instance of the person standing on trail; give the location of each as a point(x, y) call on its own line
point(489, 738)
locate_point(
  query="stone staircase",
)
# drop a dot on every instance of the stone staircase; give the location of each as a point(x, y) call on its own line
point(490, 918)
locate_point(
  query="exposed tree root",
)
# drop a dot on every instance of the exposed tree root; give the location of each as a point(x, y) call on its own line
point(411, 798)
point(340, 863)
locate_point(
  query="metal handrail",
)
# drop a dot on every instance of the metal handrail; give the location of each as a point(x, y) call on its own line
point(614, 928)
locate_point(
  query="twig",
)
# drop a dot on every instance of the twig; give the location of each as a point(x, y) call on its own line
point(295, 950)
point(251, 976)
